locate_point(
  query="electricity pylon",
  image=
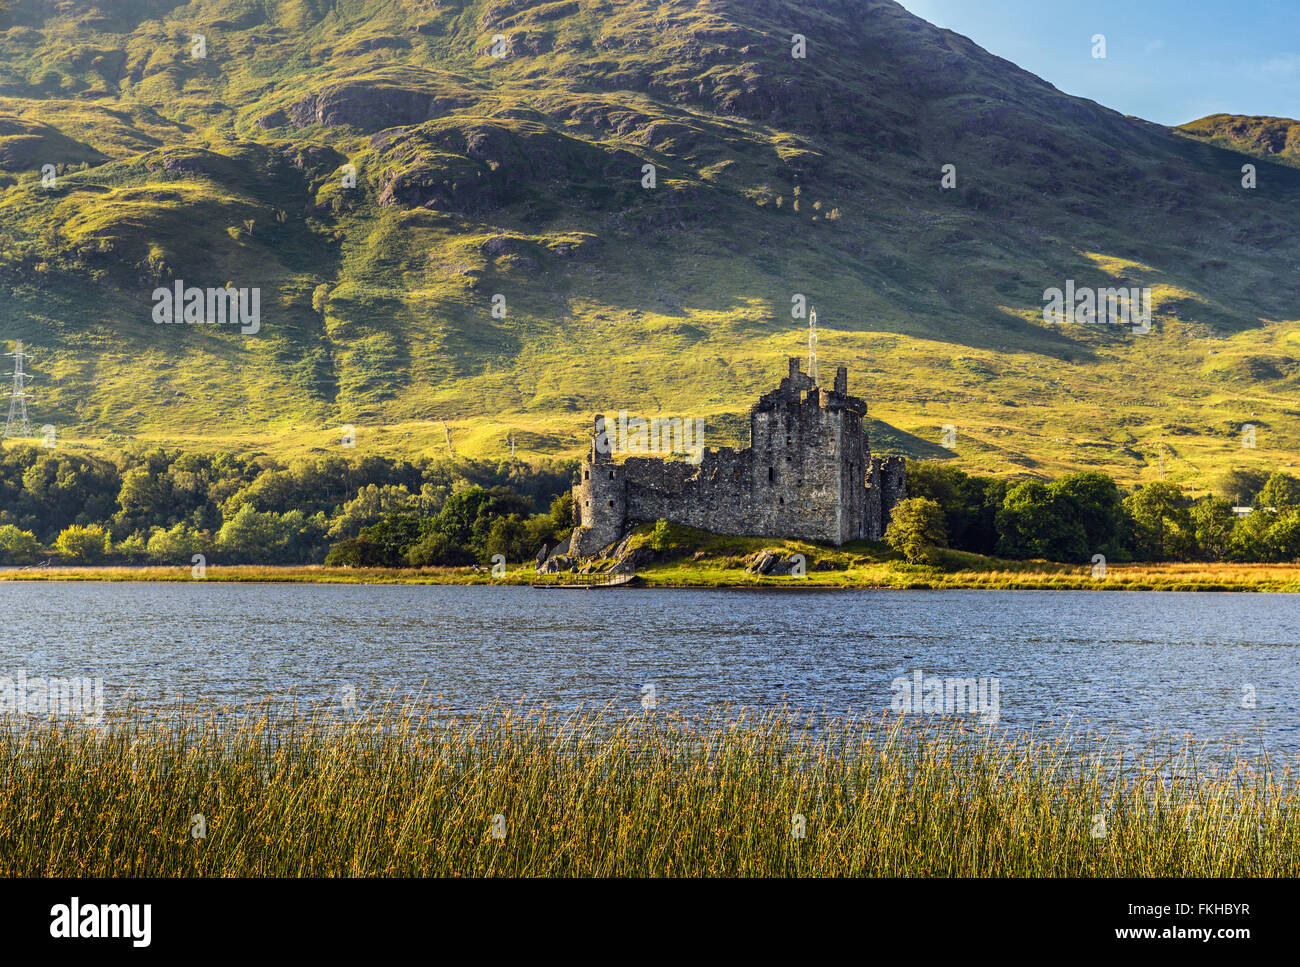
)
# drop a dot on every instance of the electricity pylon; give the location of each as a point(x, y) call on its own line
point(18, 399)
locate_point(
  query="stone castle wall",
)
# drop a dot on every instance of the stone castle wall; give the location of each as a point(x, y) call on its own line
point(808, 473)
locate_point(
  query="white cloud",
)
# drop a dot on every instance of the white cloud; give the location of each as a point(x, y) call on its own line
point(1284, 65)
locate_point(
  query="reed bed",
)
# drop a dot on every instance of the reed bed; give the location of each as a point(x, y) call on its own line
point(410, 791)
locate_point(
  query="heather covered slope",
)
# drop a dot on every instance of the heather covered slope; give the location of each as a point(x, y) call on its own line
point(521, 176)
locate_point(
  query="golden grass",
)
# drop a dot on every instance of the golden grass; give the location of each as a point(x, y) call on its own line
point(257, 574)
point(414, 792)
point(726, 572)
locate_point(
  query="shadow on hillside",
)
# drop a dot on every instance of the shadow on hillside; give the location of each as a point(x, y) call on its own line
point(886, 439)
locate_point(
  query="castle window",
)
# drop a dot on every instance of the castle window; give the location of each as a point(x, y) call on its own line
point(781, 500)
point(611, 503)
point(611, 475)
point(799, 483)
point(771, 475)
point(586, 475)
point(789, 440)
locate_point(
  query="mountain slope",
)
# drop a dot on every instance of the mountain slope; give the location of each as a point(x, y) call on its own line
point(521, 176)
point(1274, 139)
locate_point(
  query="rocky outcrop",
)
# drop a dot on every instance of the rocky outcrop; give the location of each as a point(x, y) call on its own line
point(557, 564)
point(311, 158)
point(466, 164)
point(371, 105)
point(769, 563)
point(631, 562)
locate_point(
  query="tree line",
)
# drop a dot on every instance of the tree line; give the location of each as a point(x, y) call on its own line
point(1077, 516)
point(163, 506)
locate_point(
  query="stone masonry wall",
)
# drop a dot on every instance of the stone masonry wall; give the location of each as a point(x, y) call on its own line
point(808, 473)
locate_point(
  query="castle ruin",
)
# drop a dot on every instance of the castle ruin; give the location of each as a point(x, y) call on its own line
point(807, 473)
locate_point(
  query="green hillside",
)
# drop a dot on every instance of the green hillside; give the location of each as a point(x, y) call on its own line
point(521, 176)
point(1274, 139)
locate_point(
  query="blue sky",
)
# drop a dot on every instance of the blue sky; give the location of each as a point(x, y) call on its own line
point(1169, 61)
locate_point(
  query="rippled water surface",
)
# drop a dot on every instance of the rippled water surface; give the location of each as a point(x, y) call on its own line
point(1140, 663)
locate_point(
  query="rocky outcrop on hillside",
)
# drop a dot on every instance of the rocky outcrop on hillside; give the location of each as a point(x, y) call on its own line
point(372, 104)
point(468, 164)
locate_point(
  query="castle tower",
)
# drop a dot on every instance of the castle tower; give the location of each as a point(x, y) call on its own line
point(599, 499)
point(886, 486)
point(809, 463)
point(812, 345)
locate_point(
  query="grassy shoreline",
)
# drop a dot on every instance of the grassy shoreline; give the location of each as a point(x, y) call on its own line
point(531, 792)
point(696, 559)
point(1016, 576)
